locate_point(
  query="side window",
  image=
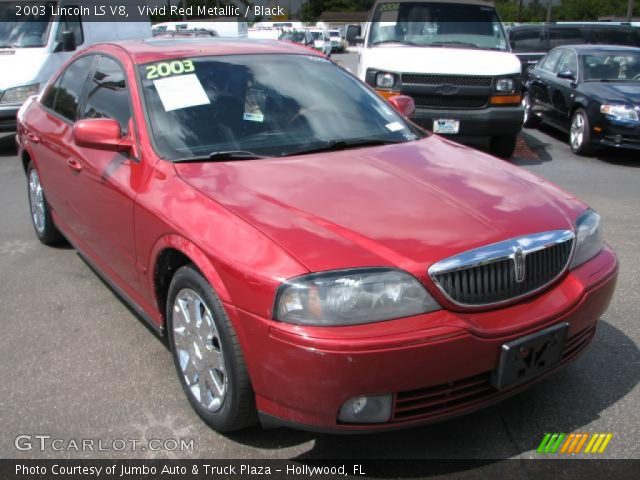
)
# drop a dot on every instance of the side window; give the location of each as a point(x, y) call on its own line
point(526, 40)
point(72, 84)
point(71, 23)
point(565, 36)
point(569, 62)
point(50, 95)
point(108, 95)
point(550, 62)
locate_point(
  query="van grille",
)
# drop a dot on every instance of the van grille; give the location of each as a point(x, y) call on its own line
point(449, 101)
point(457, 80)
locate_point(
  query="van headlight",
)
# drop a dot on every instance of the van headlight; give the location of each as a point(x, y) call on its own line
point(351, 297)
point(505, 85)
point(385, 80)
point(588, 238)
point(19, 94)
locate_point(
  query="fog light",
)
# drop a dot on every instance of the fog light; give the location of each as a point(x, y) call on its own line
point(617, 139)
point(370, 409)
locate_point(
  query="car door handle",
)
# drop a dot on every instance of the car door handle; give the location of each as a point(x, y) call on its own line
point(74, 164)
point(33, 137)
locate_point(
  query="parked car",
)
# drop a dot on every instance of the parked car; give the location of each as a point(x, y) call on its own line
point(321, 40)
point(186, 34)
point(34, 44)
point(302, 37)
point(231, 27)
point(591, 92)
point(530, 42)
point(337, 45)
point(460, 73)
point(314, 258)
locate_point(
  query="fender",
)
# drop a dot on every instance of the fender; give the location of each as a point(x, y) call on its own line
point(195, 254)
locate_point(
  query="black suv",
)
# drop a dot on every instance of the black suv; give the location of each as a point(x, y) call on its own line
point(532, 41)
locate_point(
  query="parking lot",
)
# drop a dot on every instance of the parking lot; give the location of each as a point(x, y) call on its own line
point(78, 364)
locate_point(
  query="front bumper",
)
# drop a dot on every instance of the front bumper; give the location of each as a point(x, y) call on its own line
point(436, 365)
point(620, 134)
point(8, 117)
point(485, 122)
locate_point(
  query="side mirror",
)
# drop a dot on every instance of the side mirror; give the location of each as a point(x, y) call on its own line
point(567, 75)
point(101, 134)
point(353, 32)
point(403, 104)
point(68, 41)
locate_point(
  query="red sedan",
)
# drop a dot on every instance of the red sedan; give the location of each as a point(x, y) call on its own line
point(314, 258)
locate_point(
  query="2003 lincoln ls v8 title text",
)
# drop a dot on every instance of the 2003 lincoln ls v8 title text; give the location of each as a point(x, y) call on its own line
point(314, 257)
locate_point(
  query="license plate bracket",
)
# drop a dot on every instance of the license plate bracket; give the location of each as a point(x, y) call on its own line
point(446, 126)
point(530, 356)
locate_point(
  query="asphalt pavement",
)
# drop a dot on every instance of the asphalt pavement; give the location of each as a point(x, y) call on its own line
point(77, 364)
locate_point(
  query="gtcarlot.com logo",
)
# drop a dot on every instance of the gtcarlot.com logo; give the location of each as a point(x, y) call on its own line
point(574, 443)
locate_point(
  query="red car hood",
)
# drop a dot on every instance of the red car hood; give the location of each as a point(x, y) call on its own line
point(405, 205)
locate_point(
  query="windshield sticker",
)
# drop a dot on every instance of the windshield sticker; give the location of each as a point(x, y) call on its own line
point(394, 126)
point(319, 59)
point(164, 69)
point(181, 92)
point(254, 103)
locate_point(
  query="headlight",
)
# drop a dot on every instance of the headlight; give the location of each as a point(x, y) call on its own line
point(505, 85)
point(385, 80)
point(622, 112)
point(588, 238)
point(19, 94)
point(351, 297)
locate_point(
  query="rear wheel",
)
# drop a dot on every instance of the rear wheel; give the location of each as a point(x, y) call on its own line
point(580, 133)
point(207, 354)
point(503, 146)
point(43, 225)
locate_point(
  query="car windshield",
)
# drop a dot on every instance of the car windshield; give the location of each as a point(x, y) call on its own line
point(316, 35)
point(621, 66)
point(335, 34)
point(268, 105)
point(292, 36)
point(437, 24)
point(24, 24)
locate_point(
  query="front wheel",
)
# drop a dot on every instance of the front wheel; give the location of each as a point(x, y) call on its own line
point(43, 225)
point(207, 354)
point(531, 120)
point(503, 146)
point(580, 133)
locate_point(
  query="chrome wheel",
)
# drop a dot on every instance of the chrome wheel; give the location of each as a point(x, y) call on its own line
point(36, 201)
point(576, 135)
point(199, 350)
point(526, 106)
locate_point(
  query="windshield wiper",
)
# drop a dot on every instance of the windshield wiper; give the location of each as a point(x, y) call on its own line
point(222, 156)
point(336, 145)
point(456, 44)
point(403, 42)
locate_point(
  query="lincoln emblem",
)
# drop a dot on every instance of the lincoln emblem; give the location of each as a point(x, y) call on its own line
point(518, 260)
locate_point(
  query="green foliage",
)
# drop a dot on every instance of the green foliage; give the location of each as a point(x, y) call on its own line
point(578, 10)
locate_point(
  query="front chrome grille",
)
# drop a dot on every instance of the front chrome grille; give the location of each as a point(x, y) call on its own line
point(457, 80)
point(504, 271)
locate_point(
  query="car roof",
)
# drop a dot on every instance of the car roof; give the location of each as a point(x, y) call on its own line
point(589, 48)
point(158, 49)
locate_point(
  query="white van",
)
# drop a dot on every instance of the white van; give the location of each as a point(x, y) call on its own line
point(321, 40)
point(33, 47)
point(224, 27)
point(453, 59)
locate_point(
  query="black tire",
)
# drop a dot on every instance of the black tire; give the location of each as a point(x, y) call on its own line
point(45, 229)
point(503, 146)
point(531, 120)
point(580, 145)
point(238, 408)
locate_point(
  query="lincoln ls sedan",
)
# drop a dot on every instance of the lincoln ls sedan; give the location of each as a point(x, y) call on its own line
point(314, 258)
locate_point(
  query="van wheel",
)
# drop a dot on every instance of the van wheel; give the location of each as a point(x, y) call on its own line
point(580, 133)
point(503, 146)
point(207, 354)
point(46, 230)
